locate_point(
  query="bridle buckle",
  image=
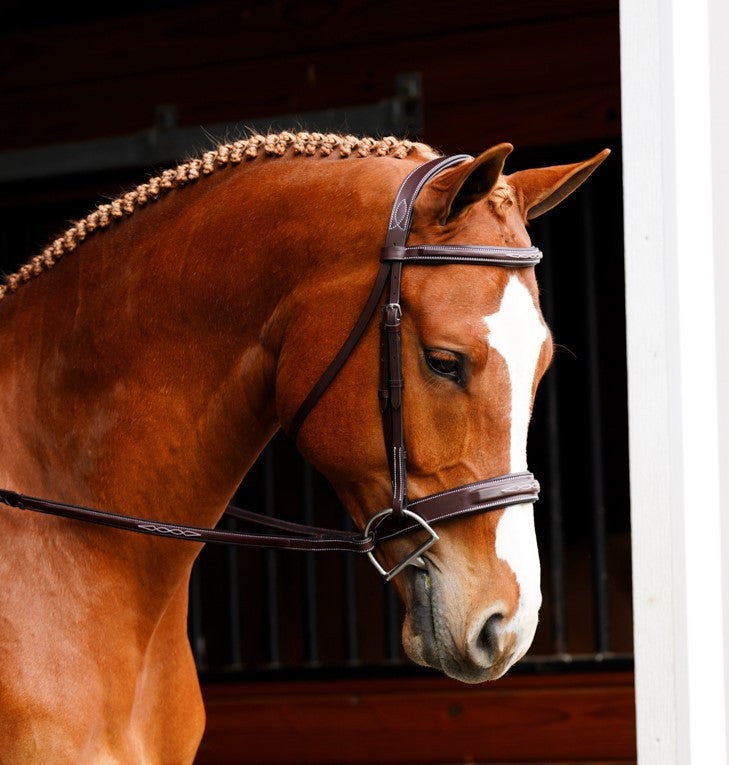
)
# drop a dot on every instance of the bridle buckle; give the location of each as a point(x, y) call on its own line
point(376, 519)
point(392, 313)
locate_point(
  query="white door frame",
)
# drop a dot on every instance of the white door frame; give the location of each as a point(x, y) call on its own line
point(675, 86)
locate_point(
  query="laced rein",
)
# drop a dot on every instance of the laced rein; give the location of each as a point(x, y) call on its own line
point(402, 517)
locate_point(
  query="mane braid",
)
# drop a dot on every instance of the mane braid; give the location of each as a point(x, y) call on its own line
point(225, 155)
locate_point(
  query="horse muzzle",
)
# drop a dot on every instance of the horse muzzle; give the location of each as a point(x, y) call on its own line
point(468, 644)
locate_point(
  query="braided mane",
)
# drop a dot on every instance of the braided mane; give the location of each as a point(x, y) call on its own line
point(225, 155)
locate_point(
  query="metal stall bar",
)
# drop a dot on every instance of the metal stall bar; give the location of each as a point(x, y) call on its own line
point(349, 593)
point(597, 482)
point(554, 462)
point(233, 601)
point(195, 620)
point(392, 626)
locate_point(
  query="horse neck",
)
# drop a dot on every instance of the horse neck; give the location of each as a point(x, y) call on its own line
point(145, 363)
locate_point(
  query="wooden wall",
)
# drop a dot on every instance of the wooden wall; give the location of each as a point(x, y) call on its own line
point(579, 718)
point(534, 72)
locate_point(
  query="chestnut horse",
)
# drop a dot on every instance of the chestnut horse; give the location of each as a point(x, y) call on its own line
point(145, 371)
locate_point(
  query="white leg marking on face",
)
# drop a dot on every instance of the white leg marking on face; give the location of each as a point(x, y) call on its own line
point(517, 333)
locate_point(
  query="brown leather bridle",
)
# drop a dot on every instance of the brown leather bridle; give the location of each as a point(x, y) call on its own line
point(403, 517)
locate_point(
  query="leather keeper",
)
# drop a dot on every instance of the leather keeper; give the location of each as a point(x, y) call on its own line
point(390, 320)
point(392, 252)
point(384, 399)
point(11, 499)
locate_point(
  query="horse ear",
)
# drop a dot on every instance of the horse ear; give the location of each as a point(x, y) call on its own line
point(461, 186)
point(541, 189)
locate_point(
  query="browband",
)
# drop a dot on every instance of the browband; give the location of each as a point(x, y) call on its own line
point(432, 254)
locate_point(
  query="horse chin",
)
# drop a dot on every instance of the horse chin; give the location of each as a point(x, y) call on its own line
point(428, 639)
point(419, 632)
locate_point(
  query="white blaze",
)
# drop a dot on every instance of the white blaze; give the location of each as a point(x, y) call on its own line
point(517, 333)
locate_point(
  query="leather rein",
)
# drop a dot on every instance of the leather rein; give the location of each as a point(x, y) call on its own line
point(403, 516)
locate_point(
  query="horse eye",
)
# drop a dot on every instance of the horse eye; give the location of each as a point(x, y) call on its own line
point(446, 364)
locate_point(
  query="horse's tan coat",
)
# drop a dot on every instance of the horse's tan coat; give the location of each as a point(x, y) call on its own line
point(152, 365)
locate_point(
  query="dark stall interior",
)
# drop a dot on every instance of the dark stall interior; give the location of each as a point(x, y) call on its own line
point(300, 656)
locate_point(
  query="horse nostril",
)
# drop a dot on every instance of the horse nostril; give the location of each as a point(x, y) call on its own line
point(488, 639)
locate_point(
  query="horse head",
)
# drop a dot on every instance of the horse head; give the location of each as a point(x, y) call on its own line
point(474, 348)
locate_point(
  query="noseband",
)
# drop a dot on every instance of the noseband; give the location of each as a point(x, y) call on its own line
point(403, 516)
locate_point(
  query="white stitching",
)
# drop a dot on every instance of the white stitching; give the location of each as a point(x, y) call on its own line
point(402, 185)
point(435, 171)
point(484, 261)
point(479, 254)
point(401, 483)
point(179, 532)
point(398, 216)
point(394, 472)
point(480, 247)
